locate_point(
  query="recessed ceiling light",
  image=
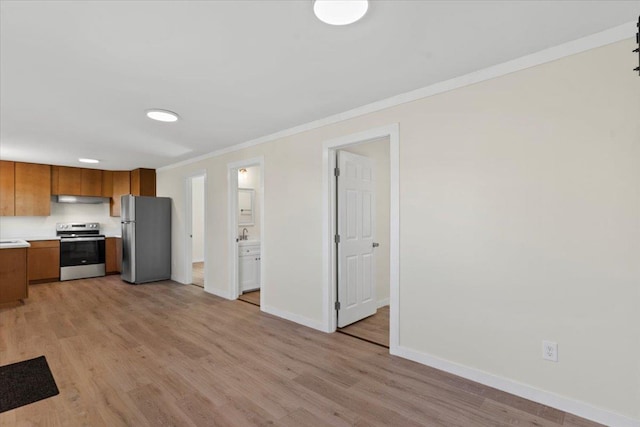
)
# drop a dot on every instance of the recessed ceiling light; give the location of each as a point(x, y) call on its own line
point(88, 160)
point(162, 115)
point(340, 12)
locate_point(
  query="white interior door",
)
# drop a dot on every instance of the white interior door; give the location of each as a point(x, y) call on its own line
point(356, 224)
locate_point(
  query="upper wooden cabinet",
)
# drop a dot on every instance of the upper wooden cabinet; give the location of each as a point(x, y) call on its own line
point(26, 188)
point(121, 186)
point(76, 181)
point(69, 180)
point(32, 189)
point(107, 183)
point(7, 188)
point(91, 182)
point(143, 182)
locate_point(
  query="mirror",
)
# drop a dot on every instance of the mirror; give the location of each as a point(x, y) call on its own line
point(245, 206)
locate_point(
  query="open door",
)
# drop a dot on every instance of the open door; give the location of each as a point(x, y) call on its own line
point(356, 225)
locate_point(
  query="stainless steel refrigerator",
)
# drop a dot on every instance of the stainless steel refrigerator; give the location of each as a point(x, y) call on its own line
point(146, 238)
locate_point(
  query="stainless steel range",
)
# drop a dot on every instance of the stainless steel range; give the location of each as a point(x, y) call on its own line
point(82, 250)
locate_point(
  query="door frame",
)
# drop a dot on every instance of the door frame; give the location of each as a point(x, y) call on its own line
point(188, 220)
point(329, 253)
point(232, 192)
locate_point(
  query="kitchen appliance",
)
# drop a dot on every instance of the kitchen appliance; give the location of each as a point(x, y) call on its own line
point(146, 238)
point(82, 250)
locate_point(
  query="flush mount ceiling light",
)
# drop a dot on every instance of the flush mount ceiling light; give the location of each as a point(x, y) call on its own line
point(162, 115)
point(83, 160)
point(340, 12)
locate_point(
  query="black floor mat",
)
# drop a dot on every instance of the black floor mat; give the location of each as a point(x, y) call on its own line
point(25, 382)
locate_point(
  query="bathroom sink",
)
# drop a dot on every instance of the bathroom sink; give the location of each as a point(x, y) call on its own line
point(13, 243)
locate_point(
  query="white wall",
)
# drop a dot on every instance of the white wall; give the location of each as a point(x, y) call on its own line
point(45, 226)
point(197, 219)
point(251, 179)
point(519, 222)
point(378, 152)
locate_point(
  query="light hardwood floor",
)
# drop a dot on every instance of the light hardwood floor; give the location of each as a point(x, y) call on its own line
point(198, 274)
point(251, 298)
point(168, 354)
point(374, 328)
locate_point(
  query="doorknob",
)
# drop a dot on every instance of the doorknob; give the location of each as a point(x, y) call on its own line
point(375, 245)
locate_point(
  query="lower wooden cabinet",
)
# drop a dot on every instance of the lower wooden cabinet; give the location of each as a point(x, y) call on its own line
point(113, 255)
point(13, 275)
point(43, 261)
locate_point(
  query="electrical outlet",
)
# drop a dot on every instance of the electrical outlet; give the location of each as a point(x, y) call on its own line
point(550, 351)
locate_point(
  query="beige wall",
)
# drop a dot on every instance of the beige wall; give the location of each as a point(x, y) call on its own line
point(378, 152)
point(519, 222)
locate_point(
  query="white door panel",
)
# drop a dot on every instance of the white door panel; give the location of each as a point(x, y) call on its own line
point(356, 222)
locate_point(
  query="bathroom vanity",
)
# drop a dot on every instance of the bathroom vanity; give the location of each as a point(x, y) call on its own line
point(249, 265)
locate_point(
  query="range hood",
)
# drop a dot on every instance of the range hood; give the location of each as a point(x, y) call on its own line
point(82, 199)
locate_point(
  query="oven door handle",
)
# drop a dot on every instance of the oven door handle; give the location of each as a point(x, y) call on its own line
point(81, 239)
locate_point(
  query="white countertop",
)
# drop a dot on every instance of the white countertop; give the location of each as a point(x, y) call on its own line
point(13, 243)
point(31, 238)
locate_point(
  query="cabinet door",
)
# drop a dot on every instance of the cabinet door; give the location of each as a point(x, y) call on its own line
point(33, 189)
point(7, 188)
point(110, 255)
point(247, 272)
point(91, 182)
point(44, 260)
point(143, 182)
point(107, 183)
point(121, 186)
point(69, 181)
point(13, 274)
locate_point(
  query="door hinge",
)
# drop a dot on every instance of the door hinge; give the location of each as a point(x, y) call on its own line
point(337, 238)
point(337, 305)
point(336, 172)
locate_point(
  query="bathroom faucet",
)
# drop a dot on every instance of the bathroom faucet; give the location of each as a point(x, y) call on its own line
point(244, 237)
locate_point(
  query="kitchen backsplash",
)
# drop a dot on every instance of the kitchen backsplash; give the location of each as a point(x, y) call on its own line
point(43, 226)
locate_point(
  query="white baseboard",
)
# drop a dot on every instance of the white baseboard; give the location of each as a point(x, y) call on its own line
point(383, 302)
point(562, 403)
point(296, 318)
point(198, 260)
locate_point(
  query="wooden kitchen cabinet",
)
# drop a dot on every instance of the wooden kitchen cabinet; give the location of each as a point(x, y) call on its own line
point(32, 189)
point(113, 255)
point(43, 261)
point(69, 180)
point(121, 186)
point(107, 184)
point(91, 182)
point(143, 182)
point(7, 188)
point(13, 275)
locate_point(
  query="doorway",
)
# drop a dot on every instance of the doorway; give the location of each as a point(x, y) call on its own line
point(362, 222)
point(246, 237)
point(196, 212)
point(386, 234)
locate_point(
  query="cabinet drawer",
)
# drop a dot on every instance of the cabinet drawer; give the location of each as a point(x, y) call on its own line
point(45, 244)
point(249, 250)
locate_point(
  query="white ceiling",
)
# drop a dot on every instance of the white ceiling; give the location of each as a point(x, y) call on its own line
point(76, 77)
